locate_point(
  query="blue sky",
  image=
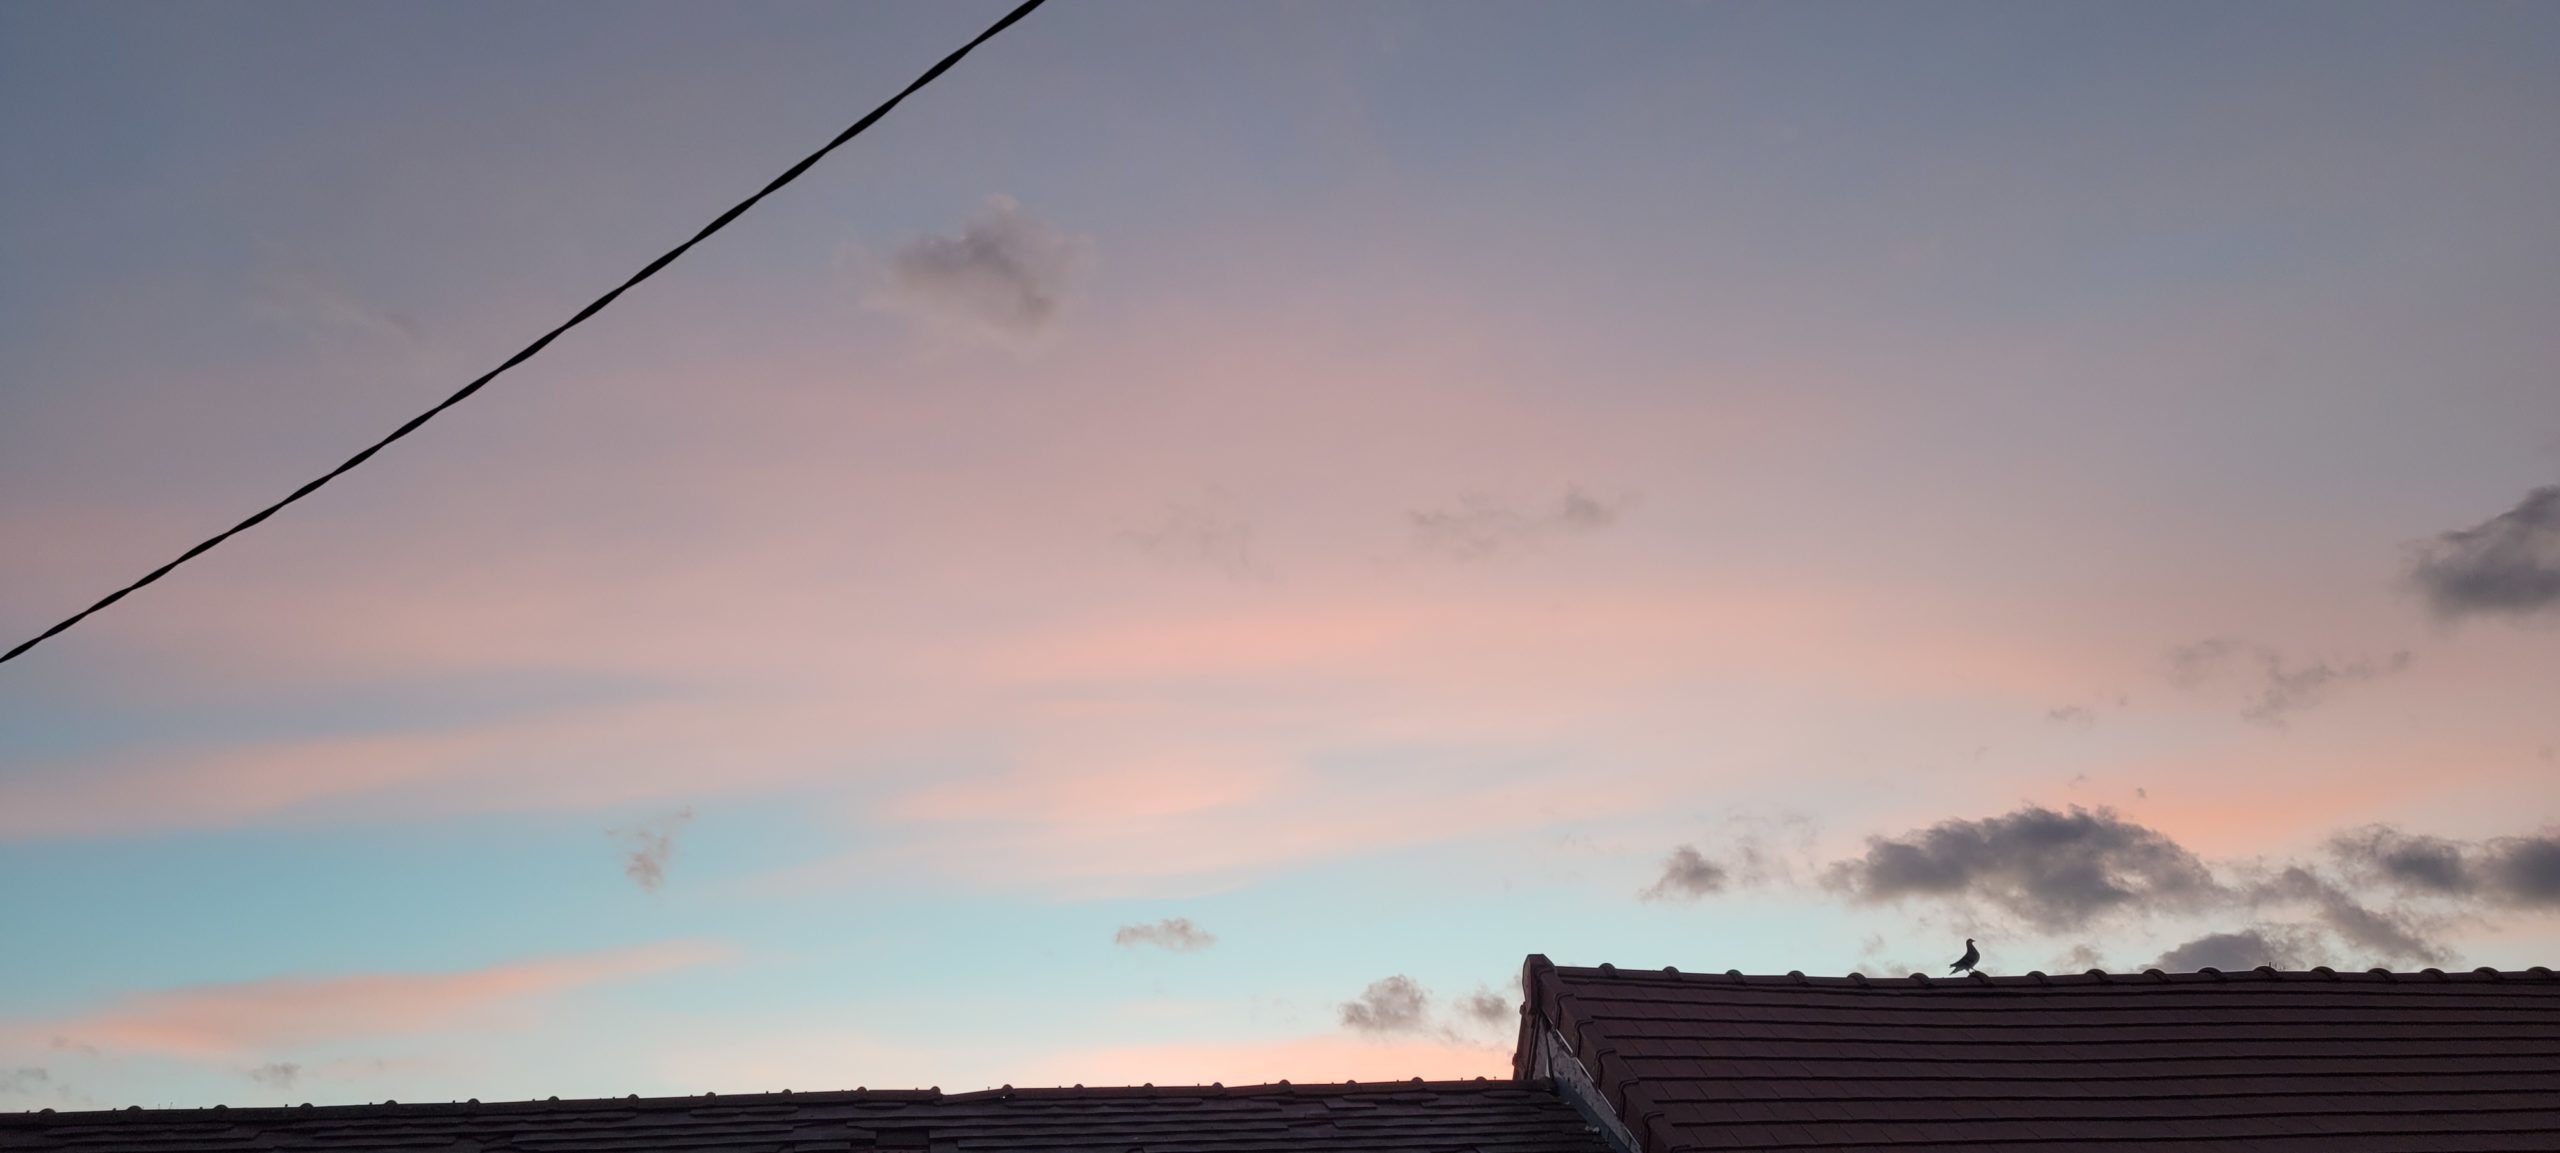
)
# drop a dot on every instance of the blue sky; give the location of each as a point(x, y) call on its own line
point(1371, 483)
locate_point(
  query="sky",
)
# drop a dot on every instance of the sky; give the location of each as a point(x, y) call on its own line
point(1215, 530)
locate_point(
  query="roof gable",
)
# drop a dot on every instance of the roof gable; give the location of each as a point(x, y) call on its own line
point(2199, 1061)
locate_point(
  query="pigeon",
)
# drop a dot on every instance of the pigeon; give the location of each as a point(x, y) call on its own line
point(1964, 964)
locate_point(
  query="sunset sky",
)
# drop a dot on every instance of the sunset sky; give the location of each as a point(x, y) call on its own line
point(1217, 528)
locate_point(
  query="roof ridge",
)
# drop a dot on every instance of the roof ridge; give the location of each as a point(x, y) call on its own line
point(777, 1097)
point(2037, 978)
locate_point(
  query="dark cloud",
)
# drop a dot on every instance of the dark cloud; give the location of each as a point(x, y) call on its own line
point(2232, 952)
point(651, 847)
point(1005, 273)
point(1486, 1007)
point(1687, 875)
point(2054, 870)
point(2290, 688)
point(276, 1074)
point(2424, 864)
point(1389, 1005)
point(2525, 871)
point(1480, 526)
point(2508, 564)
point(1173, 934)
point(2388, 935)
point(2514, 872)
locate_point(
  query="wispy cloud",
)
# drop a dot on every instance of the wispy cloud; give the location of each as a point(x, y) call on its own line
point(1172, 934)
point(2507, 565)
point(2288, 688)
point(254, 1018)
point(649, 849)
point(2283, 687)
point(1480, 526)
point(1005, 274)
point(1208, 533)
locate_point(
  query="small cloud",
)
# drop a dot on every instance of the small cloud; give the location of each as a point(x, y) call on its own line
point(67, 1045)
point(1481, 526)
point(2233, 952)
point(2192, 664)
point(24, 1079)
point(2083, 956)
point(1209, 533)
point(2076, 716)
point(2284, 688)
point(1173, 934)
point(276, 1074)
point(305, 301)
point(1005, 275)
point(651, 847)
point(1486, 1007)
point(2290, 689)
point(1686, 876)
point(2507, 565)
point(1389, 1005)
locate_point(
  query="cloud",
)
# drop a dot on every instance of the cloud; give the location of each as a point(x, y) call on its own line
point(2385, 935)
point(1486, 1007)
point(2288, 689)
point(1173, 934)
point(246, 1018)
point(2192, 664)
point(2511, 872)
point(1005, 274)
point(1208, 534)
point(1481, 526)
point(1390, 1005)
point(1687, 875)
point(2231, 952)
point(2054, 870)
point(310, 303)
point(24, 1079)
point(2077, 716)
point(2283, 688)
point(276, 1074)
point(2508, 564)
point(651, 847)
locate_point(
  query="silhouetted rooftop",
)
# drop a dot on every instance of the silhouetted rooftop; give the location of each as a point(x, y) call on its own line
point(1452, 1116)
point(2257, 1060)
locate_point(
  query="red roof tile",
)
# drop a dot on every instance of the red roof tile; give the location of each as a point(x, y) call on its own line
point(1405, 1117)
point(2192, 1062)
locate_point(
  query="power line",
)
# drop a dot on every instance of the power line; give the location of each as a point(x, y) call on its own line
point(788, 175)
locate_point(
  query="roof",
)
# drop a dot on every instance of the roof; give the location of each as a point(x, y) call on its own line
point(2192, 1062)
point(1447, 1116)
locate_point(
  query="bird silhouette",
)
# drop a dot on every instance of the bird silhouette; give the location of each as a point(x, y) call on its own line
point(1964, 964)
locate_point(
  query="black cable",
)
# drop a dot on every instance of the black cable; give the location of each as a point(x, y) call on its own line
point(789, 175)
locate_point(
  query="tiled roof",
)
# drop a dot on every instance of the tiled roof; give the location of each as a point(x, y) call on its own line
point(2191, 1062)
point(1446, 1116)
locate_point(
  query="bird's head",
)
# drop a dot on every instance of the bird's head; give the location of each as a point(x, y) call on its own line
point(1968, 940)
